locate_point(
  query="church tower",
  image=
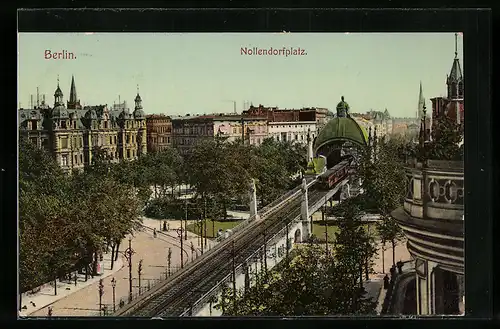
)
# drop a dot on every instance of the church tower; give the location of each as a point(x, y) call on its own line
point(455, 83)
point(421, 103)
point(73, 102)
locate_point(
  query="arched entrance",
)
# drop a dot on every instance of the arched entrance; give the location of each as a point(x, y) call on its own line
point(298, 236)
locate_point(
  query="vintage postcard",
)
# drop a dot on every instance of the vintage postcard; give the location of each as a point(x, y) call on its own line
point(240, 174)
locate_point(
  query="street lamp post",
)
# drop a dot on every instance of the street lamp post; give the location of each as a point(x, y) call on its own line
point(179, 233)
point(326, 227)
point(101, 292)
point(128, 254)
point(113, 285)
point(186, 221)
point(205, 220)
point(139, 272)
point(198, 226)
point(169, 261)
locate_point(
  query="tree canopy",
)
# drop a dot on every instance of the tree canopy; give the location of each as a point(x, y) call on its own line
point(312, 284)
point(65, 219)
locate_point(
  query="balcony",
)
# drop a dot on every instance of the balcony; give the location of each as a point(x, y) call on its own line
point(432, 216)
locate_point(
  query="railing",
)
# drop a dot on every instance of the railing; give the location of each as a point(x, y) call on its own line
point(204, 299)
point(435, 190)
point(151, 283)
point(264, 212)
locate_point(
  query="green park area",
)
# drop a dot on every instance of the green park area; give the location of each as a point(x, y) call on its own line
point(319, 230)
point(315, 166)
point(213, 227)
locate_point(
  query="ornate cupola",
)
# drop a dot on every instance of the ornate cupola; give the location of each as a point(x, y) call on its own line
point(58, 95)
point(138, 112)
point(59, 111)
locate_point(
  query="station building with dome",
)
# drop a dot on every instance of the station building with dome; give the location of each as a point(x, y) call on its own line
point(72, 132)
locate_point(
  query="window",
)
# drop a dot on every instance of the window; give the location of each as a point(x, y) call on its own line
point(128, 138)
point(64, 142)
point(128, 154)
point(64, 160)
point(115, 139)
point(105, 124)
point(81, 158)
point(34, 125)
point(63, 124)
point(76, 159)
point(74, 124)
point(34, 140)
point(168, 140)
point(296, 137)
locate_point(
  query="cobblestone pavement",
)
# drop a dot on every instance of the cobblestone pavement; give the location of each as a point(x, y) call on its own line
point(153, 252)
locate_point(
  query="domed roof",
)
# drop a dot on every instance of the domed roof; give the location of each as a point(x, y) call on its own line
point(341, 129)
point(139, 114)
point(60, 112)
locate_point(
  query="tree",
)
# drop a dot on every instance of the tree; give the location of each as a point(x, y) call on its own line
point(312, 284)
point(389, 231)
point(446, 138)
point(271, 170)
point(215, 171)
point(65, 220)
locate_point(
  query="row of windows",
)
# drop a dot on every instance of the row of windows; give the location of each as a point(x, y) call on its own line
point(160, 129)
point(78, 158)
point(289, 126)
point(160, 140)
point(291, 137)
point(105, 124)
point(99, 140)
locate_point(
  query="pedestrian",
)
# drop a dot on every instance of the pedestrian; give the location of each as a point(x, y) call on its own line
point(164, 226)
point(400, 267)
point(393, 271)
point(386, 282)
point(168, 227)
point(50, 311)
point(154, 232)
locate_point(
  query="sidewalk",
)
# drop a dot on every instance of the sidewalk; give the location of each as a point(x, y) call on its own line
point(45, 297)
point(153, 252)
point(174, 236)
point(401, 253)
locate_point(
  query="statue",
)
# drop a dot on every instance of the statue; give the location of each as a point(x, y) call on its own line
point(342, 109)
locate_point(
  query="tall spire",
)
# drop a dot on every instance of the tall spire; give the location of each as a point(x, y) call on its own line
point(421, 103)
point(455, 78)
point(72, 94)
point(456, 70)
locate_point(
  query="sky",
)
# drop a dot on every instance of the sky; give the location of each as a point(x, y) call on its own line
point(201, 73)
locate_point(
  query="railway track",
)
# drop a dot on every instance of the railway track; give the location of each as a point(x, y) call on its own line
point(184, 289)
